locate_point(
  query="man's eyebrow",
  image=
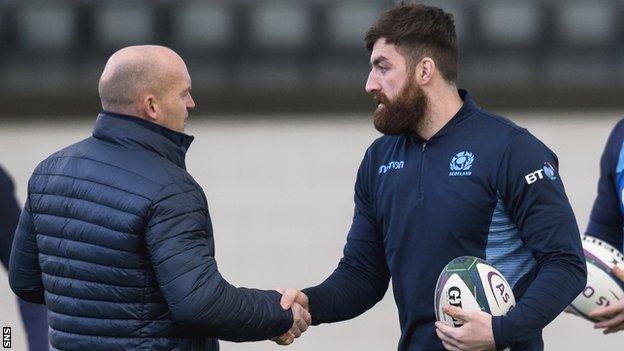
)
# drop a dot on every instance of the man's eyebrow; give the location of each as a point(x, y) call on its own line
point(378, 60)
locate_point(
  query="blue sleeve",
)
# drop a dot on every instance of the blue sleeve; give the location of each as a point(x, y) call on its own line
point(605, 221)
point(362, 276)
point(187, 274)
point(24, 270)
point(535, 197)
point(9, 215)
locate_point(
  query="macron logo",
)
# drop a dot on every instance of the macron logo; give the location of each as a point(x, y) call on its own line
point(391, 165)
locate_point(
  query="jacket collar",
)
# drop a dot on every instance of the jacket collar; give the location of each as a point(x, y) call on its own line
point(136, 133)
point(468, 109)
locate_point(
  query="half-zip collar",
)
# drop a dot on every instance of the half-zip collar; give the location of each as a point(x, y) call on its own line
point(468, 109)
point(134, 132)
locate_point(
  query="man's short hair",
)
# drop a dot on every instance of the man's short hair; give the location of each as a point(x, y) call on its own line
point(419, 31)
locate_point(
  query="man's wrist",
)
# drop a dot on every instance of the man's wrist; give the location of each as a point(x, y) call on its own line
point(288, 317)
point(309, 292)
point(497, 330)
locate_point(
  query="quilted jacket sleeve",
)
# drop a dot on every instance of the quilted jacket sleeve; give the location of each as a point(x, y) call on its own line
point(24, 271)
point(188, 277)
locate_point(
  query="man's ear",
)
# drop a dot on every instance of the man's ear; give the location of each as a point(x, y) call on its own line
point(425, 70)
point(149, 107)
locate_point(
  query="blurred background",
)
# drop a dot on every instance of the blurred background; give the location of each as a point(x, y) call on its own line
point(282, 120)
point(284, 55)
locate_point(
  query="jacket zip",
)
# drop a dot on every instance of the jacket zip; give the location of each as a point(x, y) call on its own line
point(422, 171)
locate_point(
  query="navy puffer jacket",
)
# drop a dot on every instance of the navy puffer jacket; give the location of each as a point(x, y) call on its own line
point(115, 238)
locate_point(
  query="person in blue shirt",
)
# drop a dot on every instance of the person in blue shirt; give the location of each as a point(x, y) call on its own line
point(448, 179)
point(34, 316)
point(606, 219)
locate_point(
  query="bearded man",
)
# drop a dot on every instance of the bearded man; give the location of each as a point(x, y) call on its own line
point(448, 179)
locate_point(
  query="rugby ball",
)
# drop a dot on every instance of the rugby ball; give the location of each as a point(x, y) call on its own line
point(471, 283)
point(603, 287)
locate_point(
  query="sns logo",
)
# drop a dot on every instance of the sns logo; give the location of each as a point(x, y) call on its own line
point(547, 170)
point(6, 337)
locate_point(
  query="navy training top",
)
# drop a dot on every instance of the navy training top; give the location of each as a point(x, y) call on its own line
point(481, 186)
point(9, 214)
point(605, 221)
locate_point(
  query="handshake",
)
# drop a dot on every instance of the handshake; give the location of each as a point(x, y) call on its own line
point(298, 302)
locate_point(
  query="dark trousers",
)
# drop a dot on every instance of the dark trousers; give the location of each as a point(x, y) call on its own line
point(35, 318)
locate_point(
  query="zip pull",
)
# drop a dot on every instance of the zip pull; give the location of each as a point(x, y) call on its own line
point(424, 146)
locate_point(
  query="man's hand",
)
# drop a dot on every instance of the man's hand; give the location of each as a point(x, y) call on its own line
point(475, 335)
point(613, 313)
point(291, 296)
point(292, 299)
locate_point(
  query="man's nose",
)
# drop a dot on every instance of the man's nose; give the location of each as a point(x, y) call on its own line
point(372, 85)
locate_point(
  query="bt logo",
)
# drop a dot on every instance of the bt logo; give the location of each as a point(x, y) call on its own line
point(534, 177)
point(548, 170)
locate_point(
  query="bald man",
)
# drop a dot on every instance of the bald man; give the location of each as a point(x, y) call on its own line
point(115, 236)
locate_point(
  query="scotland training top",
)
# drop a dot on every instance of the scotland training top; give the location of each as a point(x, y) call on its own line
point(605, 221)
point(481, 186)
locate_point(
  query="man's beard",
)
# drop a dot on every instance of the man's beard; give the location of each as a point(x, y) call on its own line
point(406, 113)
